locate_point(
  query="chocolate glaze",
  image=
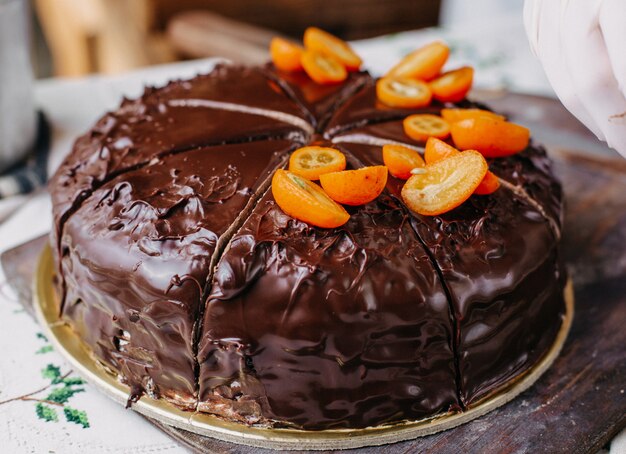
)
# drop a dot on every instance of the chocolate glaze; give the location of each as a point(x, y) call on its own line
point(364, 108)
point(499, 261)
point(148, 127)
point(393, 316)
point(321, 328)
point(320, 101)
point(138, 253)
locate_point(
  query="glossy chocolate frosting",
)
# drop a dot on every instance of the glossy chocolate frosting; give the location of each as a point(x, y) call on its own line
point(150, 127)
point(138, 252)
point(322, 328)
point(186, 279)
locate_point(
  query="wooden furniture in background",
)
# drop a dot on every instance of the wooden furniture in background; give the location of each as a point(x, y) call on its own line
point(349, 19)
point(107, 36)
point(197, 34)
point(111, 36)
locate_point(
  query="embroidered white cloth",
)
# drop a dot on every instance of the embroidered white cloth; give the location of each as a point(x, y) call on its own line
point(42, 408)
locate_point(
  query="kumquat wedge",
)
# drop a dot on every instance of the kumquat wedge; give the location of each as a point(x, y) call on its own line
point(446, 184)
point(404, 93)
point(420, 127)
point(327, 44)
point(312, 161)
point(489, 185)
point(306, 201)
point(323, 69)
point(452, 86)
point(355, 187)
point(425, 63)
point(401, 160)
point(437, 149)
point(492, 137)
point(286, 55)
point(457, 114)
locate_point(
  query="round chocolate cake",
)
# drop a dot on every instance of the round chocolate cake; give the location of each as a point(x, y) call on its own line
point(185, 278)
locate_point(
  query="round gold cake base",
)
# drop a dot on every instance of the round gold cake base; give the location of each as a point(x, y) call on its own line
point(73, 349)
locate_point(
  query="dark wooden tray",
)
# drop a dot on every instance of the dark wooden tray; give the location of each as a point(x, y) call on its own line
point(580, 403)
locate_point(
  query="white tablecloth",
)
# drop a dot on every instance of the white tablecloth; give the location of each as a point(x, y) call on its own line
point(76, 418)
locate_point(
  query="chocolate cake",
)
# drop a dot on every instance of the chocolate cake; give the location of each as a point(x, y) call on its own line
point(185, 278)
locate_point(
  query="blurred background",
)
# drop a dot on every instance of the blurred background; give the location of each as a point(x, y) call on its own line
point(77, 37)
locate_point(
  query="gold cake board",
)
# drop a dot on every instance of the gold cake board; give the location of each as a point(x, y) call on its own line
point(75, 352)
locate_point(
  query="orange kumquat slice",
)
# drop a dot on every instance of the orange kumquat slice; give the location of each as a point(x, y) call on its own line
point(405, 93)
point(452, 86)
point(437, 149)
point(400, 160)
point(492, 137)
point(489, 185)
point(306, 201)
point(323, 69)
point(327, 44)
point(422, 126)
point(355, 187)
point(446, 184)
point(312, 161)
point(286, 55)
point(454, 115)
point(424, 63)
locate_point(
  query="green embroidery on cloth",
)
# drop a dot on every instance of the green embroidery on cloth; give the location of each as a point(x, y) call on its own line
point(61, 389)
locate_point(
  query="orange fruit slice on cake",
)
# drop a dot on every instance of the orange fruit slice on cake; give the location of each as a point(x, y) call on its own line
point(489, 185)
point(424, 63)
point(491, 136)
point(420, 127)
point(452, 86)
point(323, 42)
point(323, 69)
point(446, 184)
point(437, 150)
point(286, 55)
point(456, 114)
point(405, 93)
point(312, 161)
point(401, 160)
point(355, 187)
point(306, 201)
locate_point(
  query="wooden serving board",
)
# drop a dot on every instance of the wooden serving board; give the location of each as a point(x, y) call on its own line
point(579, 404)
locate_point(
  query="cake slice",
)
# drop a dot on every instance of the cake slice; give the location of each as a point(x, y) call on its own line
point(138, 252)
point(499, 260)
point(172, 119)
point(327, 328)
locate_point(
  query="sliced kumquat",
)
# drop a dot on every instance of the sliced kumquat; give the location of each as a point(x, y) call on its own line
point(312, 161)
point(401, 160)
point(355, 187)
point(422, 126)
point(446, 184)
point(424, 63)
point(437, 149)
point(491, 136)
point(286, 55)
point(405, 93)
point(306, 201)
point(489, 185)
point(327, 44)
point(454, 115)
point(323, 69)
point(452, 86)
